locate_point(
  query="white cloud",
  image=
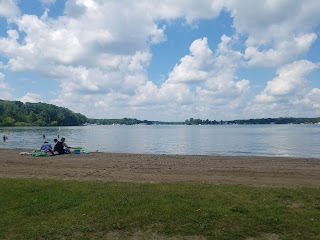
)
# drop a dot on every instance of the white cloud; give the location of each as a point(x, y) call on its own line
point(313, 99)
point(5, 90)
point(9, 8)
point(283, 52)
point(2, 66)
point(99, 52)
point(291, 82)
point(48, 2)
point(190, 10)
point(31, 97)
point(289, 93)
point(157, 35)
point(214, 74)
point(193, 67)
point(272, 20)
point(204, 81)
point(102, 28)
point(133, 92)
point(277, 31)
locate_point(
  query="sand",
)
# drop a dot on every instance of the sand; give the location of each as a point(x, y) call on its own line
point(255, 171)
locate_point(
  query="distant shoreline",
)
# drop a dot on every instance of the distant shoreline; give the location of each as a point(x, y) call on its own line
point(256, 171)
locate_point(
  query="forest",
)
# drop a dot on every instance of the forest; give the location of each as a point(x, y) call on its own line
point(16, 113)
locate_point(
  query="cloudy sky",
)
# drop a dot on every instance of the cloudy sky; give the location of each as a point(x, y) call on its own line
point(163, 60)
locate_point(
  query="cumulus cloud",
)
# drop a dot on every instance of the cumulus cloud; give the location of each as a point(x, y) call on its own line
point(289, 92)
point(31, 97)
point(185, 87)
point(205, 80)
point(188, 9)
point(291, 81)
point(9, 9)
point(214, 73)
point(193, 67)
point(282, 52)
point(273, 20)
point(277, 31)
point(100, 48)
point(313, 99)
point(5, 90)
point(99, 52)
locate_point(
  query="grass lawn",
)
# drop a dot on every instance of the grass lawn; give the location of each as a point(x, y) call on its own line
point(56, 209)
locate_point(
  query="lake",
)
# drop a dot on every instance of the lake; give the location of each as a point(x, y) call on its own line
point(246, 140)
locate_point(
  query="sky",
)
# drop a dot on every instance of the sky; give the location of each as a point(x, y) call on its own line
point(166, 60)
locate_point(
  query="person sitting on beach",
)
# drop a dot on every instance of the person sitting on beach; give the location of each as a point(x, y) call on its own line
point(46, 147)
point(62, 147)
point(54, 146)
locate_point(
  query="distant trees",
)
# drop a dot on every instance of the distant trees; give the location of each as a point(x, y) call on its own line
point(130, 121)
point(198, 121)
point(16, 113)
point(281, 120)
point(192, 121)
point(123, 121)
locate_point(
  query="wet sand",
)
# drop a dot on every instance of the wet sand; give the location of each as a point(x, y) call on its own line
point(256, 171)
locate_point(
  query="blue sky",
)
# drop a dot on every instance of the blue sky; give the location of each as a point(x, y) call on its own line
point(163, 60)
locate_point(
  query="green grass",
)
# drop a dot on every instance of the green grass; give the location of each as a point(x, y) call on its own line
point(55, 209)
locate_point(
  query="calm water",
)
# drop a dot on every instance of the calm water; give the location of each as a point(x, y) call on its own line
point(257, 140)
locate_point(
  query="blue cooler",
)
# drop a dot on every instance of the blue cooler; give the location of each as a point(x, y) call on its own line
point(76, 151)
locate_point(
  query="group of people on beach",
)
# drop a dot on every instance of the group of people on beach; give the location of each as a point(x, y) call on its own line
point(59, 147)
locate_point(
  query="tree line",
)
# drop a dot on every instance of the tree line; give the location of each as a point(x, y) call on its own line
point(123, 121)
point(16, 113)
point(129, 121)
point(281, 120)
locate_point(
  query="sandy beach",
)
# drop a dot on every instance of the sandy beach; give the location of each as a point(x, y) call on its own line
point(256, 171)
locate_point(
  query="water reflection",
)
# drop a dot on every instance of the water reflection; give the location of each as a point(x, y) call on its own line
point(260, 140)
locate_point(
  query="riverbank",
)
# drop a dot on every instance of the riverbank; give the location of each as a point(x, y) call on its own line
point(253, 171)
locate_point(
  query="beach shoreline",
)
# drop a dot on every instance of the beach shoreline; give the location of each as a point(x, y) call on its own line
point(127, 167)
